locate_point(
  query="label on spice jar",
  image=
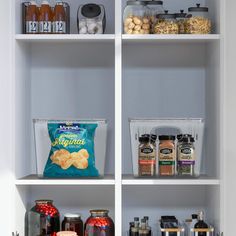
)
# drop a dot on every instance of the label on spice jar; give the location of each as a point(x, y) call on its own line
point(147, 161)
point(186, 156)
point(166, 161)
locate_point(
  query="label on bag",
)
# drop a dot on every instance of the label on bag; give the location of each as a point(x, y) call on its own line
point(59, 27)
point(45, 27)
point(32, 27)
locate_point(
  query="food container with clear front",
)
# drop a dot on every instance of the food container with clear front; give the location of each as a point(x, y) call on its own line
point(135, 18)
point(154, 8)
point(181, 20)
point(91, 19)
point(198, 21)
point(166, 127)
point(75, 141)
point(166, 23)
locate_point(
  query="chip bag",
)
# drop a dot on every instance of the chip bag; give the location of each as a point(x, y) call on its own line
point(72, 151)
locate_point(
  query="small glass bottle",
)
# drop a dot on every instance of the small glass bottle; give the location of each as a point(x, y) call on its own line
point(31, 18)
point(45, 18)
point(143, 231)
point(131, 225)
point(201, 224)
point(146, 218)
point(59, 18)
point(135, 229)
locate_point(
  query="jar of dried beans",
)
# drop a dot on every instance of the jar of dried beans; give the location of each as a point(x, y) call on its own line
point(198, 21)
point(167, 155)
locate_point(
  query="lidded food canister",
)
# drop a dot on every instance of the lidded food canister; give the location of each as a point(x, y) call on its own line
point(154, 8)
point(135, 18)
point(99, 224)
point(181, 20)
point(166, 24)
point(43, 219)
point(73, 222)
point(198, 21)
point(91, 19)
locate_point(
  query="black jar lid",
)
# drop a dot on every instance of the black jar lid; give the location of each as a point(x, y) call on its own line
point(91, 10)
point(144, 139)
point(153, 137)
point(136, 2)
point(167, 137)
point(180, 136)
point(181, 14)
point(166, 15)
point(154, 2)
point(198, 8)
point(136, 218)
point(146, 135)
point(194, 216)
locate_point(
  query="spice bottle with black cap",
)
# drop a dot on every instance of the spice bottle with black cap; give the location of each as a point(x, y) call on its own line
point(91, 19)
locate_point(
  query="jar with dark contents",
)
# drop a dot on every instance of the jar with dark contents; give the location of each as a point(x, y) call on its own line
point(99, 224)
point(43, 219)
point(73, 222)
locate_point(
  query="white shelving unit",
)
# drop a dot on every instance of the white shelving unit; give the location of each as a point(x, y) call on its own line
point(117, 76)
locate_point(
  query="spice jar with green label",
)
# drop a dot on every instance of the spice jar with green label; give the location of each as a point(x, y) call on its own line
point(167, 155)
point(186, 156)
point(147, 157)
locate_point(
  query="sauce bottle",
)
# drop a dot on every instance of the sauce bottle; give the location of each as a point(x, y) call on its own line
point(59, 18)
point(45, 18)
point(31, 18)
point(201, 224)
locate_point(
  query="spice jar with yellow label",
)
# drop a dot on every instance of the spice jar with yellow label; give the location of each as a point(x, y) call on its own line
point(167, 155)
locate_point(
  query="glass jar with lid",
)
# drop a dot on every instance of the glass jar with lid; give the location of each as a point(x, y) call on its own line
point(154, 8)
point(181, 20)
point(198, 21)
point(135, 18)
point(166, 24)
point(73, 222)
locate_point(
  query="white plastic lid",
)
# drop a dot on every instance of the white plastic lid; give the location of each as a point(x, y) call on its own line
point(45, 2)
point(65, 233)
point(33, 3)
point(72, 215)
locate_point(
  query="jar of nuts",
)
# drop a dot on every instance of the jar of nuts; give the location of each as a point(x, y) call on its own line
point(198, 21)
point(166, 24)
point(154, 8)
point(181, 20)
point(135, 18)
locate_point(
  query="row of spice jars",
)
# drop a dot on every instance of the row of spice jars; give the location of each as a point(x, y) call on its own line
point(44, 219)
point(174, 157)
point(149, 17)
point(46, 19)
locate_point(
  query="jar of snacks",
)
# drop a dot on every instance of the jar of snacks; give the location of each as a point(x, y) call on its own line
point(154, 8)
point(198, 21)
point(167, 155)
point(135, 18)
point(181, 20)
point(166, 24)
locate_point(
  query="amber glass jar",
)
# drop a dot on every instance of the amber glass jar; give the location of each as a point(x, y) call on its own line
point(73, 222)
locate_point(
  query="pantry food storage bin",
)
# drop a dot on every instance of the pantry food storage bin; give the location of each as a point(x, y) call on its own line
point(43, 143)
point(209, 231)
point(172, 231)
point(139, 127)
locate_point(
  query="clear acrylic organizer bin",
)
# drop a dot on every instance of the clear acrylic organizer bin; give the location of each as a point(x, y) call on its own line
point(195, 127)
point(43, 143)
point(172, 231)
point(209, 231)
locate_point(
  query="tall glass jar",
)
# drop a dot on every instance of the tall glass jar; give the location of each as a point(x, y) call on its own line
point(154, 8)
point(73, 222)
point(198, 21)
point(43, 219)
point(181, 20)
point(166, 24)
point(99, 224)
point(135, 18)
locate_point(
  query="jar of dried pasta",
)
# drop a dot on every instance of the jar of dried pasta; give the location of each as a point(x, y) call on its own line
point(135, 18)
point(167, 155)
point(198, 21)
point(166, 24)
point(181, 20)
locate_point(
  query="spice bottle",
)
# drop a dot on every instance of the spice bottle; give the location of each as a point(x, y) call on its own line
point(45, 18)
point(147, 157)
point(31, 18)
point(167, 155)
point(186, 156)
point(201, 224)
point(59, 18)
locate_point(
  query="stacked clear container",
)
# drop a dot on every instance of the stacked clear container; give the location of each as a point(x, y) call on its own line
point(135, 18)
point(154, 8)
point(166, 24)
point(198, 21)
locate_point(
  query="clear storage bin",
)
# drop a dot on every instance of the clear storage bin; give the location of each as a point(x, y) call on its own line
point(139, 127)
point(43, 143)
point(172, 231)
point(209, 231)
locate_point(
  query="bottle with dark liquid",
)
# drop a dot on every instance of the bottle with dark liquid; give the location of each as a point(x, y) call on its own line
point(201, 224)
point(143, 231)
point(135, 229)
point(131, 225)
point(146, 218)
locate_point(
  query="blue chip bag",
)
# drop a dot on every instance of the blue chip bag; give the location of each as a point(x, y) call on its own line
point(72, 151)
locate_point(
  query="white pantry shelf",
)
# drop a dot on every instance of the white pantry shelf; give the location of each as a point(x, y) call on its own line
point(162, 38)
point(203, 180)
point(34, 180)
point(65, 38)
